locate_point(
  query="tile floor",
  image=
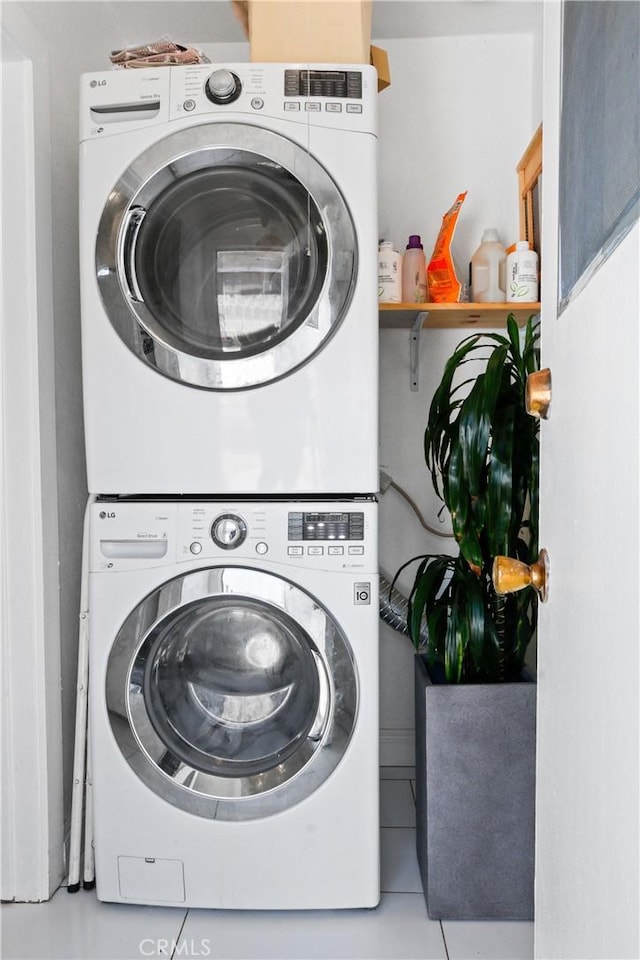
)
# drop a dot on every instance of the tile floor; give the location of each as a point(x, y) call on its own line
point(78, 927)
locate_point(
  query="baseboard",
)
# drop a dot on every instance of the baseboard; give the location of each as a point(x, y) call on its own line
point(397, 748)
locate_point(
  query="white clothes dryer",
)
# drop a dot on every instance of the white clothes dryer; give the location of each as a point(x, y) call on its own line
point(228, 236)
point(234, 703)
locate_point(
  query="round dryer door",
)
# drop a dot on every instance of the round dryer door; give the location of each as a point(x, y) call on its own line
point(231, 692)
point(225, 256)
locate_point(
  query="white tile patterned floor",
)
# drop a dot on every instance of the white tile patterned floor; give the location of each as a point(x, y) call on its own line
point(79, 927)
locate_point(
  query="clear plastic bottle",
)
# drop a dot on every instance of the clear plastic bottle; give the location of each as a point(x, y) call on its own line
point(389, 273)
point(488, 268)
point(414, 272)
point(522, 274)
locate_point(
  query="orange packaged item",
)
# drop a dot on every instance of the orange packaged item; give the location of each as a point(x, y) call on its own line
point(442, 279)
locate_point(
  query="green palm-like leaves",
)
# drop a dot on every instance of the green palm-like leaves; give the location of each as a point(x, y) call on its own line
point(481, 449)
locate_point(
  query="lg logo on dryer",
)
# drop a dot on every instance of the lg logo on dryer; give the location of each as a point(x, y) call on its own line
point(104, 515)
point(98, 83)
point(362, 593)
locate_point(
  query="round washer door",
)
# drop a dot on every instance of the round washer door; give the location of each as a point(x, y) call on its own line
point(225, 256)
point(231, 692)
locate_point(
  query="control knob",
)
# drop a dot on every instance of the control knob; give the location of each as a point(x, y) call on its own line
point(223, 86)
point(228, 531)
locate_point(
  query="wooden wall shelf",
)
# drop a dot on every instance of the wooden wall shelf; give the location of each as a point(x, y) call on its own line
point(445, 316)
point(416, 317)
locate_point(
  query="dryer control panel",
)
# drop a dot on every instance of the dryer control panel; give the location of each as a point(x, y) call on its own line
point(341, 96)
point(337, 96)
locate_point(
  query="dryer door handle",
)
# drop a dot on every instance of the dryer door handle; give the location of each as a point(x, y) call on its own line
point(131, 223)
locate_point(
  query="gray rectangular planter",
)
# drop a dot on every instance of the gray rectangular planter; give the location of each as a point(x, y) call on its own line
point(475, 779)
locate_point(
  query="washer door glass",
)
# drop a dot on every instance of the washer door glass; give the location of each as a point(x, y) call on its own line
point(225, 267)
point(231, 686)
point(231, 692)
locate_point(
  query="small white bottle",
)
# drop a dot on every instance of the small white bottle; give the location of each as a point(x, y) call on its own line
point(522, 274)
point(389, 273)
point(414, 272)
point(488, 270)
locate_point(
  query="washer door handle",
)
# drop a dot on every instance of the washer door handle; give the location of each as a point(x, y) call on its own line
point(131, 223)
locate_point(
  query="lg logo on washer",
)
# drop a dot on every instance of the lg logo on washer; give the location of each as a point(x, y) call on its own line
point(104, 515)
point(98, 83)
point(362, 593)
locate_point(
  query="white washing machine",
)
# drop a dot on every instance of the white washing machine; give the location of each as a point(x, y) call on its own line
point(228, 237)
point(234, 702)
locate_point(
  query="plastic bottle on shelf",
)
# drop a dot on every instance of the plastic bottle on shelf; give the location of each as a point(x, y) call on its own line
point(522, 274)
point(488, 269)
point(414, 272)
point(389, 273)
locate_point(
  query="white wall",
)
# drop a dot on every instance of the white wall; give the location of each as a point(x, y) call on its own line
point(72, 488)
point(32, 811)
point(56, 93)
point(457, 116)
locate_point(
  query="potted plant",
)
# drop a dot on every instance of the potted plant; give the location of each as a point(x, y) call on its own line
point(475, 705)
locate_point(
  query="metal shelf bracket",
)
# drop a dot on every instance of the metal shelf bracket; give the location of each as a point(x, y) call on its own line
point(414, 349)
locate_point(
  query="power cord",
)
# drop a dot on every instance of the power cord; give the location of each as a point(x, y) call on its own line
point(386, 481)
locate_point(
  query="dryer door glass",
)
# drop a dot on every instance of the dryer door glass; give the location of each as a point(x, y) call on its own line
point(231, 259)
point(231, 692)
point(226, 256)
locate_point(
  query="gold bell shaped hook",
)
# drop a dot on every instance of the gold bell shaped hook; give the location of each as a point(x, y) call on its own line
point(511, 575)
point(537, 399)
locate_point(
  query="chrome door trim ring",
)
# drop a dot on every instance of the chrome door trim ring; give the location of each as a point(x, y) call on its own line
point(233, 798)
point(150, 173)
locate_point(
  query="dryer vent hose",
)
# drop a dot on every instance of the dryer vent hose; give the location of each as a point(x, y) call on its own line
point(394, 607)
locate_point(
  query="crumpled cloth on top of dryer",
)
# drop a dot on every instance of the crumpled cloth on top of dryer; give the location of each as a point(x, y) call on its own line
point(161, 53)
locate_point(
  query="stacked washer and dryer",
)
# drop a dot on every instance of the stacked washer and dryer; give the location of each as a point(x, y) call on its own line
point(229, 323)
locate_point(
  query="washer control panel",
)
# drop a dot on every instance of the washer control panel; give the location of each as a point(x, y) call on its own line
point(326, 525)
point(327, 535)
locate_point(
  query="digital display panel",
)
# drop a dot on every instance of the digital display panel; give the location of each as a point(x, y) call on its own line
point(337, 84)
point(326, 526)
